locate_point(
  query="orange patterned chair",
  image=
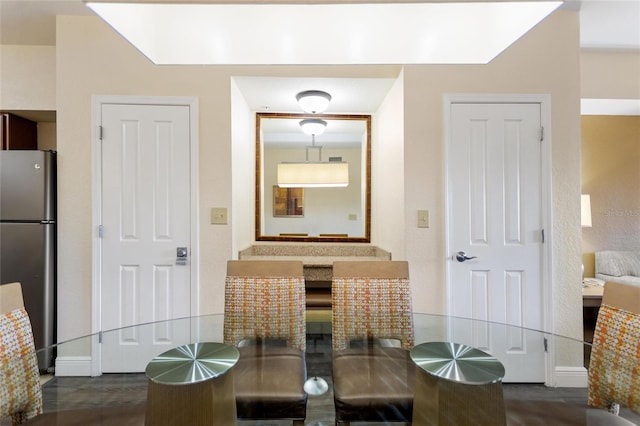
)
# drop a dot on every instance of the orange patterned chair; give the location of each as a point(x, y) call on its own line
point(264, 316)
point(20, 391)
point(371, 300)
point(614, 368)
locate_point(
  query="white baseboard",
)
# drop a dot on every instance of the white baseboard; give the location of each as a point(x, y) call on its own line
point(73, 366)
point(571, 377)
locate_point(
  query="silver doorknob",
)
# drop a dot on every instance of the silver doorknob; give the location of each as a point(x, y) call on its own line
point(461, 256)
point(182, 253)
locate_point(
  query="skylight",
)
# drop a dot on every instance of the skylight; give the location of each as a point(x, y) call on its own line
point(376, 33)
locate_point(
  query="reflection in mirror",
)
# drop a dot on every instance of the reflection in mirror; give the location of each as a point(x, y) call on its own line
point(329, 213)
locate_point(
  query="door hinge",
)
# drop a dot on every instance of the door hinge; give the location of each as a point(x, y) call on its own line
point(100, 336)
point(545, 343)
point(100, 231)
point(541, 133)
point(542, 234)
point(100, 132)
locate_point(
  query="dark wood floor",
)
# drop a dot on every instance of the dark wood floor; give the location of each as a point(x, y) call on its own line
point(118, 389)
point(121, 389)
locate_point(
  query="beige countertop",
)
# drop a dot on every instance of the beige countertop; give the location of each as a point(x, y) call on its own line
point(317, 259)
point(313, 261)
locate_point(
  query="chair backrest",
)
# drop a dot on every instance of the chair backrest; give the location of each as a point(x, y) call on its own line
point(265, 299)
point(20, 391)
point(10, 297)
point(614, 368)
point(371, 299)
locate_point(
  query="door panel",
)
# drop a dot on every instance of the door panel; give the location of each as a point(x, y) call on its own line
point(146, 216)
point(494, 192)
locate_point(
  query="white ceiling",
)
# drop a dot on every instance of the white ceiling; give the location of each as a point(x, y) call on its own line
point(348, 95)
point(605, 24)
point(324, 33)
point(610, 24)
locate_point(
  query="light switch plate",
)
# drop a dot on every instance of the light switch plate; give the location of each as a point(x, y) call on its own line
point(219, 216)
point(423, 218)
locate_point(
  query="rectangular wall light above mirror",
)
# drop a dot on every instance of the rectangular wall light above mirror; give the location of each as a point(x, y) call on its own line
point(313, 174)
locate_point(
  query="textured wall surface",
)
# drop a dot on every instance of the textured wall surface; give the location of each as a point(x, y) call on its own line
point(28, 77)
point(610, 174)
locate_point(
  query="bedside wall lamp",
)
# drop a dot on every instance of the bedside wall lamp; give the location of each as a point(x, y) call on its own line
point(585, 216)
point(585, 210)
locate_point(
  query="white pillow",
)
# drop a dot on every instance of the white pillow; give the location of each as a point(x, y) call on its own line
point(618, 263)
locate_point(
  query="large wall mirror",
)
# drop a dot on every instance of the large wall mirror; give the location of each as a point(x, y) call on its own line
point(320, 210)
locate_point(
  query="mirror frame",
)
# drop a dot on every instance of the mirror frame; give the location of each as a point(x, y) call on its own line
point(260, 191)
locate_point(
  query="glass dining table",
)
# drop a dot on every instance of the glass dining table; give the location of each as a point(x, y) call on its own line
point(103, 374)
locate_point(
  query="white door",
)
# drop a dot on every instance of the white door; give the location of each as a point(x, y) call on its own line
point(495, 219)
point(145, 151)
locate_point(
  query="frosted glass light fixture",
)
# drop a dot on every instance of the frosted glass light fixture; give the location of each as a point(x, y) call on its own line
point(313, 101)
point(313, 126)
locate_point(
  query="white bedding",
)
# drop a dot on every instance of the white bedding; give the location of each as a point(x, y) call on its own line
point(618, 266)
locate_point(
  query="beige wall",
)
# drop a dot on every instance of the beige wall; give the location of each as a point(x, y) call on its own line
point(27, 77)
point(244, 176)
point(47, 136)
point(610, 74)
point(611, 175)
point(92, 59)
point(387, 158)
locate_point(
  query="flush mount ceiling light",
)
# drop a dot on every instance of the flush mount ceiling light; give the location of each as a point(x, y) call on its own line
point(313, 101)
point(313, 126)
point(215, 33)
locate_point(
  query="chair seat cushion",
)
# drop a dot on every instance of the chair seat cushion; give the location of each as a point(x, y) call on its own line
point(269, 383)
point(373, 384)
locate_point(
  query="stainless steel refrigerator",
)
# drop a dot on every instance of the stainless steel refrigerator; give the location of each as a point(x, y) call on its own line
point(28, 238)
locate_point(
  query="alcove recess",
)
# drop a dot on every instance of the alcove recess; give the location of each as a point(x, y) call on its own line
point(317, 261)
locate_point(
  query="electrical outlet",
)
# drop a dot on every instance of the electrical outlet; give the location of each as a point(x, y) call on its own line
point(219, 216)
point(423, 218)
point(353, 216)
